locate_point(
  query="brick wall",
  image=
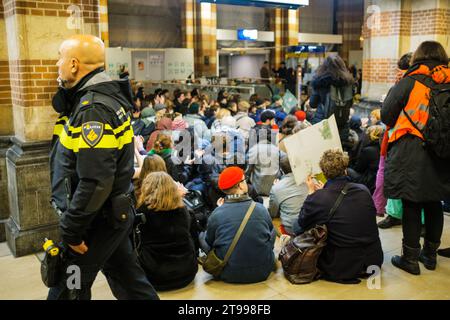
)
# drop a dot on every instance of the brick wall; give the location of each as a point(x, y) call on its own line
point(89, 8)
point(380, 70)
point(5, 88)
point(390, 23)
point(427, 22)
point(33, 82)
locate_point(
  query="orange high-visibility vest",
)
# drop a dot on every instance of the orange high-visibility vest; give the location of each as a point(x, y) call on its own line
point(417, 106)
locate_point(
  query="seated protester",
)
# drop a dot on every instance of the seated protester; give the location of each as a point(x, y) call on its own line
point(253, 258)
point(175, 167)
point(256, 109)
point(233, 107)
point(210, 115)
point(151, 163)
point(286, 197)
point(263, 158)
point(267, 120)
point(243, 122)
point(277, 106)
point(358, 138)
point(217, 124)
point(366, 167)
point(375, 118)
point(163, 125)
point(353, 242)
point(286, 130)
point(180, 96)
point(194, 119)
point(166, 252)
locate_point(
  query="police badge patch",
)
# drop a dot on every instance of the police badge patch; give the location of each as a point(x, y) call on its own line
point(92, 132)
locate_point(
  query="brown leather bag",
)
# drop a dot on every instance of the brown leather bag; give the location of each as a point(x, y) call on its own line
point(300, 255)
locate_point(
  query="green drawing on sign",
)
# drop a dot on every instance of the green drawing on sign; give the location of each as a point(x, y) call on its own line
point(326, 131)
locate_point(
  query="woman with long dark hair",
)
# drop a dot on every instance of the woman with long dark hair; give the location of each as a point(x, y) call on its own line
point(332, 78)
point(413, 174)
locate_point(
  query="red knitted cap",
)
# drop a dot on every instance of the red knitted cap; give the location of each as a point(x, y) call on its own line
point(230, 177)
point(300, 115)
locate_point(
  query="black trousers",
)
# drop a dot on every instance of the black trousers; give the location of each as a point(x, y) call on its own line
point(109, 250)
point(412, 224)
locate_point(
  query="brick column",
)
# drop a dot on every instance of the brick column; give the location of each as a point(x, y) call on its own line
point(6, 123)
point(285, 25)
point(205, 39)
point(188, 24)
point(349, 23)
point(35, 29)
point(386, 31)
point(393, 28)
point(104, 28)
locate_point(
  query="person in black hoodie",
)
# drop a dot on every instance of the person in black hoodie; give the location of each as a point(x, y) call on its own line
point(332, 72)
point(167, 251)
point(365, 169)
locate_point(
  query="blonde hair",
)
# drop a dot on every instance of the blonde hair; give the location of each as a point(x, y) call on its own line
point(376, 113)
point(375, 132)
point(222, 113)
point(160, 193)
point(243, 106)
point(334, 163)
point(152, 163)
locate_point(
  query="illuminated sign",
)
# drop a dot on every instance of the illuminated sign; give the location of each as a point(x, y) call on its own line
point(245, 34)
point(287, 4)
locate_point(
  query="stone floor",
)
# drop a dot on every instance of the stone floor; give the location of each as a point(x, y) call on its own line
point(20, 279)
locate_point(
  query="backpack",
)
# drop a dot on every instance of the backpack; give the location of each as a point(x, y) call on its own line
point(436, 132)
point(300, 255)
point(339, 101)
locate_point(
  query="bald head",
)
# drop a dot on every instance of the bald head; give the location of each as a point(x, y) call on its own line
point(78, 56)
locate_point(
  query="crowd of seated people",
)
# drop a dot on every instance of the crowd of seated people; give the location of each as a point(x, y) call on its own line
point(231, 152)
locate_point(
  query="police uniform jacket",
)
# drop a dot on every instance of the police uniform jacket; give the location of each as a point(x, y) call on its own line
point(92, 151)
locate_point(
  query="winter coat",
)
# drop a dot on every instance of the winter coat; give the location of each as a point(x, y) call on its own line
point(320, 89)
point(162, 126)
point(253, 258)
point(367, 165)
point(411, 172)
point(167, 252)
point(353, 242)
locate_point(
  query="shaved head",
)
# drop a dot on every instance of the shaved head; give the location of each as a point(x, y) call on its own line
point(79, 55)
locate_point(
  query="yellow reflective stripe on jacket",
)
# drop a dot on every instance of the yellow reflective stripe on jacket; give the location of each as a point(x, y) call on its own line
point(59, 126)
point(107, 141)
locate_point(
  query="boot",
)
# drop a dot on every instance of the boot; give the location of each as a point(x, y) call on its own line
point(444, 252)
point(389, 222)
point(428, 254)
point(409, 261)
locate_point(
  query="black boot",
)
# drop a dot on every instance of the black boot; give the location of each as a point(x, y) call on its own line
point(389, 222)
point(409, 261)
point(444, 252)
point(428, 254)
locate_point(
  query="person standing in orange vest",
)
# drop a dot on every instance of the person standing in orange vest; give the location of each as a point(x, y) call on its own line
point(412, 173)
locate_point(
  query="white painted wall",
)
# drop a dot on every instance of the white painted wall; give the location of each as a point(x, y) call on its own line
point(247, 66)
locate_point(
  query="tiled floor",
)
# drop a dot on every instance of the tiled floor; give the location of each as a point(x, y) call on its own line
point(20, 279)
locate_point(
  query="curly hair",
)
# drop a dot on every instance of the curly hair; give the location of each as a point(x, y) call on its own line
point(160, 193)
point(375, 132)
point(334, 163)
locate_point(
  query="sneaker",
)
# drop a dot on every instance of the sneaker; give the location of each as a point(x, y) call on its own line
point(389, 222)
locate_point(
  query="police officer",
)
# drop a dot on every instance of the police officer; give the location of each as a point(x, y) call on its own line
point(91, 169)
